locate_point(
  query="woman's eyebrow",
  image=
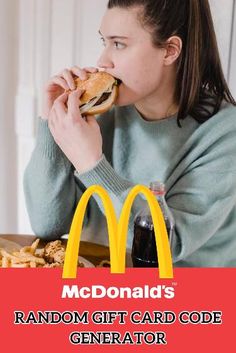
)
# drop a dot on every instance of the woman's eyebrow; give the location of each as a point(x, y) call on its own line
point(112, 37)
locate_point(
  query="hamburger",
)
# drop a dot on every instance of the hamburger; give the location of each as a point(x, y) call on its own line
point(101, 91)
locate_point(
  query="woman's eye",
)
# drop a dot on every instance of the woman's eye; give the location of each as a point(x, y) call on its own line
point(119, 45)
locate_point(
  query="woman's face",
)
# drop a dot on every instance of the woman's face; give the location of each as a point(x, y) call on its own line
point(130, 56)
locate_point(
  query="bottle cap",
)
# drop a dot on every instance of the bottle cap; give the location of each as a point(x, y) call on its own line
point(158, 188)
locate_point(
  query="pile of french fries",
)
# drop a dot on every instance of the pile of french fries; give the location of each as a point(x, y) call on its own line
point(32, 256)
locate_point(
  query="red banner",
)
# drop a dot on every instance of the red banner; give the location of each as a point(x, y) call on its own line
point(103, 312)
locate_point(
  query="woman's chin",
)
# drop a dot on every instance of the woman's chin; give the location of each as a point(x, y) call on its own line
point(122, 103)
point(125, 97)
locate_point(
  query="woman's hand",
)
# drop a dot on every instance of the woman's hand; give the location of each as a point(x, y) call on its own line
point(80, 139)
point(60, 83)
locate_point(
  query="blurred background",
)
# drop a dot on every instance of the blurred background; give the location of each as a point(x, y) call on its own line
point(39, 38)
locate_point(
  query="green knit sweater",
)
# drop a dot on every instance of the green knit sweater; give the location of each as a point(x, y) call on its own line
point(197, 163)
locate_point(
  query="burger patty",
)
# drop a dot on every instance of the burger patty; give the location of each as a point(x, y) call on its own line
point(103, 98)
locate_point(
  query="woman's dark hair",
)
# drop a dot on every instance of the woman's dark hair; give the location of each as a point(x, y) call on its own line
point(200, 85)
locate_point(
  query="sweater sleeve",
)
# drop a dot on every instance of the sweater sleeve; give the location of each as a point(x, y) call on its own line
point(50, 187)
point(200, 198)
point(203, 198)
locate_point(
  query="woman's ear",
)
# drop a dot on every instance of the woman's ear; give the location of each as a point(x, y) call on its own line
point(173, 50)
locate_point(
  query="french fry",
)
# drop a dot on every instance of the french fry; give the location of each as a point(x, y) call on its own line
point(5, 262)
point(32, 264)
point(23, 265)
point(30, 249)
point(34, 246)
point(27, 257)
point(8, 256)
point(25, 249)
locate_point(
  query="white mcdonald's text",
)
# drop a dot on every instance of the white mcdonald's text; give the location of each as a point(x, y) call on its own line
point(100, 291)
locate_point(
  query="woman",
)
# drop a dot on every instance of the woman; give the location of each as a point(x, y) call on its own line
point(174, 121)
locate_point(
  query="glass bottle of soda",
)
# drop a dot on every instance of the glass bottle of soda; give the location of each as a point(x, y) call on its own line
point(144, 252)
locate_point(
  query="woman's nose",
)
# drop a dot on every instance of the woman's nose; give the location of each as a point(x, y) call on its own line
point(105, 61)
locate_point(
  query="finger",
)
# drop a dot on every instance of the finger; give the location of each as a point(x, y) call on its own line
point(62, 98)
point(67, 75)
point(91, 69)
point(93, 124)
point(91, 120)
point(81, 73)
point(74, 102)
point(58, 81)
point(60, 104)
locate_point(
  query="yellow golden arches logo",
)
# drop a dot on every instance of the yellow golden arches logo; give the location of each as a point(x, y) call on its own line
point(117, 231)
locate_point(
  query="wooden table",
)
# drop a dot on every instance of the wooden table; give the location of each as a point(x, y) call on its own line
point(95, 253)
